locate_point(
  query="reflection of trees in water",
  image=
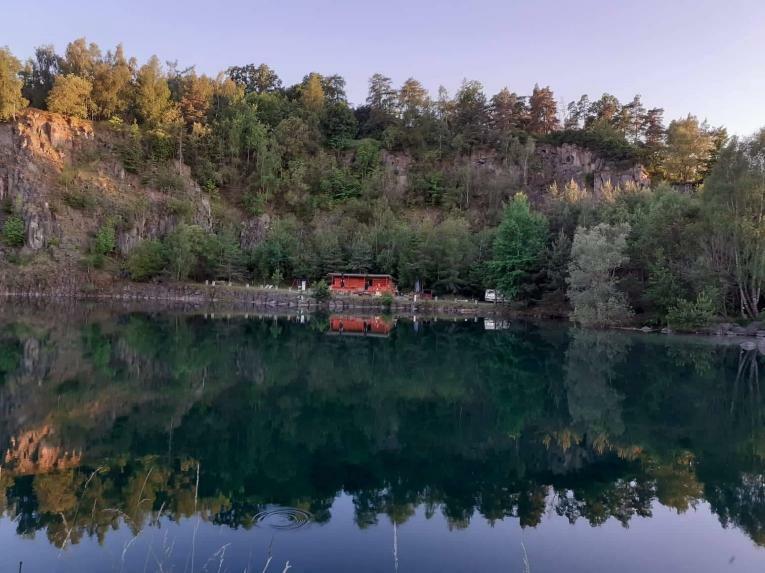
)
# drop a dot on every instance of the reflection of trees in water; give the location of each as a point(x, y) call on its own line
point(740, 502)
point(746, 388)
point(594, 403)
point(593, 425)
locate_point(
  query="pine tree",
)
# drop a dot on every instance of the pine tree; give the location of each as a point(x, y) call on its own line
point(519, 244)
point(543, 111)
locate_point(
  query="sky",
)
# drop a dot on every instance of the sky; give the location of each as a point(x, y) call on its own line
point(705, 57)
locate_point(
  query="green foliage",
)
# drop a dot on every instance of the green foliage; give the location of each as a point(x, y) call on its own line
point(152, 98)
point(518, 246)
point(321, 292)
point(340, 184)
point(689, 315)
point(13, 231)
point(105, 240)
point(146, 261)
point(182, 250)
point(339, 125)
point(80, 199)
point(183, 209)
point(386, 299)
point(71, 95)
point(596, 255)
point(733, 200)
point(254, 203)
point(367, 157)
point(11, 100)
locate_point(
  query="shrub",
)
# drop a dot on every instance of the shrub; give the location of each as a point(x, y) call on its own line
point(321, 291)
point(80, 200)
point(13, 231)
point(181, 208)
point(254, 203)
point(387, 300)
point(105, 240)
point(689, 315)
point(146, 261)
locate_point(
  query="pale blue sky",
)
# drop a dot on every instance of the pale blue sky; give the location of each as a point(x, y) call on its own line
point(701, 56)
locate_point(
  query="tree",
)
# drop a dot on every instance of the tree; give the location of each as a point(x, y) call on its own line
point(152, 100)
point(334, 89)
point(182, 249)
point(734, 199)
point(604, 110)
point(688, 152)
point(338, 124)
point(81, 59)
point(508, 112)
point(543, 111)
point(654, 128)
point(112, 85)
point(578, 113)
point(312, 93)
point(11, 100)
point(632, 119)
point(596, 255)
point(413, 102)
point(293, 136)
point(470, 114)
point(381, 103)
point(518, 246)
point(360, 254)
point(196, 98)
point(146, 261)
point(255, 79)
point(39, 75)
point(71, 95)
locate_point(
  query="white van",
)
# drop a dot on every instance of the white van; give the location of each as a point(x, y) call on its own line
point(492, 295)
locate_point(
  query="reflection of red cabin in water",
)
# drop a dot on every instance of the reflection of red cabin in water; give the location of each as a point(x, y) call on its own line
point(345, 283)
point(360, 325)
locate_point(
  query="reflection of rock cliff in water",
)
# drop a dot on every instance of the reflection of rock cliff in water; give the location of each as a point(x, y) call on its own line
point(35, 451)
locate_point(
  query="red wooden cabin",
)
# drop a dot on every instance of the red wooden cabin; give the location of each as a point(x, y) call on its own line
point(360, 325)
point(349, 283)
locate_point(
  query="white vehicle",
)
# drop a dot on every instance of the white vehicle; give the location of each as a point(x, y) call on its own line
point(492, 295)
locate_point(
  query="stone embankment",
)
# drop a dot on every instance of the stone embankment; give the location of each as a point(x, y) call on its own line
point(198, 295)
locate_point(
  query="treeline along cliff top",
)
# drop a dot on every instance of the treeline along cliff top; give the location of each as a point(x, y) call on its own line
point(112, 170)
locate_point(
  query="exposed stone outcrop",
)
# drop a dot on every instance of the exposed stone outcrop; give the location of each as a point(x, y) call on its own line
point(41, 152)
point(546, 165)
point(565, 162)
point(253, 231)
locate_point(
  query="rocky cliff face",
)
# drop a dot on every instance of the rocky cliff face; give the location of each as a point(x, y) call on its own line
point(64, 179)
point(565, 162)
point(535, 172)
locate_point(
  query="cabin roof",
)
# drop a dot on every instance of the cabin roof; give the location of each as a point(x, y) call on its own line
point(363, 275)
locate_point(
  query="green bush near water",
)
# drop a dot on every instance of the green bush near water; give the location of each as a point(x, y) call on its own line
point(13, 231)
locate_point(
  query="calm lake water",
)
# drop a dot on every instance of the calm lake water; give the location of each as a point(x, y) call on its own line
point(176, 442)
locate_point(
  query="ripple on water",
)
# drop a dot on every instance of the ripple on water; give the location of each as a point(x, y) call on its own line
point(283, 518)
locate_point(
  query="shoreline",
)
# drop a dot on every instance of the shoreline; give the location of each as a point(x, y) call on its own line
point(195, 295)
point(238, 298)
